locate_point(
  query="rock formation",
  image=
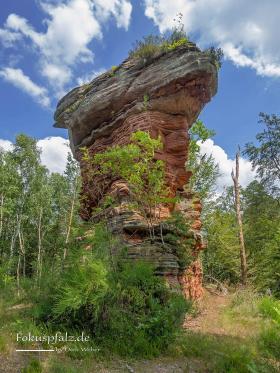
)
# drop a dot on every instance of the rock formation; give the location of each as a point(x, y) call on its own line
point(163, 95)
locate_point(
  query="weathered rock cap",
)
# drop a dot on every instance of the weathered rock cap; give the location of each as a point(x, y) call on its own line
point(180, 81)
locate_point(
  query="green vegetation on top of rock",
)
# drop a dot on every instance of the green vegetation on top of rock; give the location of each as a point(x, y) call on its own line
point(152, 45)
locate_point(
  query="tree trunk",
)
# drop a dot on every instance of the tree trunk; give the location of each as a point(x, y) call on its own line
point(12, 245)
point(39, 259)
point(1, 213)
point(21, 246)
point(69, 226)
point(243, 260)
point(18, 275)
point(13, 240)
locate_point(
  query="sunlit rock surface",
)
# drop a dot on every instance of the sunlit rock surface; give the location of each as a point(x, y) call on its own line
point(164, 96)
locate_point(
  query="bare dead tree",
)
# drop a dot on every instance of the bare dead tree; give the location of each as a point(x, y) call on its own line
point(235, 178)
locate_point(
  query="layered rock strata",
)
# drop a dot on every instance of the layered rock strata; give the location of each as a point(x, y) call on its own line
point(163, 96)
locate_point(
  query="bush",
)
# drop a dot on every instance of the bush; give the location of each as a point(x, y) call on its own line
point(269, 342)
point(125, 307)
point(142, 316)
point(7, 282)
point(147, 48)
point(169, 46)
point(270, 308)
point(81, 292)
point(152, 45)
point(181, 238)
point(217, 55)
point(269, 339)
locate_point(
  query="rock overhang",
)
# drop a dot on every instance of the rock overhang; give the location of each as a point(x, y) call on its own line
point(179, 82)
point(162, 96)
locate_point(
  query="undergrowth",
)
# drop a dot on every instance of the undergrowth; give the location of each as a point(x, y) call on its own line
point(130, 312)
point(124, 307)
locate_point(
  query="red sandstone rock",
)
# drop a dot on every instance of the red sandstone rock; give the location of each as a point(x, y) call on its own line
point(108, 110)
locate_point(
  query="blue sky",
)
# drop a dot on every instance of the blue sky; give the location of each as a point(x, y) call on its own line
point(48, 47)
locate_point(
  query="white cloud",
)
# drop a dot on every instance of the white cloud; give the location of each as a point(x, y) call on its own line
point(23, 82)
point(5, 145)
point(239, 59)
point(90, 76)
point(58, 76)
point(120, 9)
point(246, 30)
point(54, 153)
point(8, 38)
point(70, 26)
point(226, 165)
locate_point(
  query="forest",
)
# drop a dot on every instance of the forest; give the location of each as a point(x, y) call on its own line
point(57, 272)
point(144, 254)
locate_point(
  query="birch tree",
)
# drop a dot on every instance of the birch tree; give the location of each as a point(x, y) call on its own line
point(243, 259)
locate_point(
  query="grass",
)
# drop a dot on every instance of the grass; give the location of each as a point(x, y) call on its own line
point(152, 46)
point(34, 366)
point(239, 336)
point(237, 349)
point(270, 308)
point(242, 316)
point(222, 354)
point(59, 366)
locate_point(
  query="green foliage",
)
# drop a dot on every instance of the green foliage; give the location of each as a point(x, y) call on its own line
point(153, 45)
point(108, 202)
point(70, 278)
point(221, 258)
point(223, 355)
point(34, 211)
point(270, 308)
point(142, 315)
point(181, 238)
point(125, 307)
point(262, 236)
point(145, 102)
point(265, 157)
point(7, 281)
point(204, 169)
point(175, 44)
point(42, 297)
point(135, 164)
point(217, 55)
point(57, 366)
point(147, 48)
point(198, 132)
point(113, 70)
point(269, 339)
point(81, 292)
point(34, 366)
point(269, 342)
